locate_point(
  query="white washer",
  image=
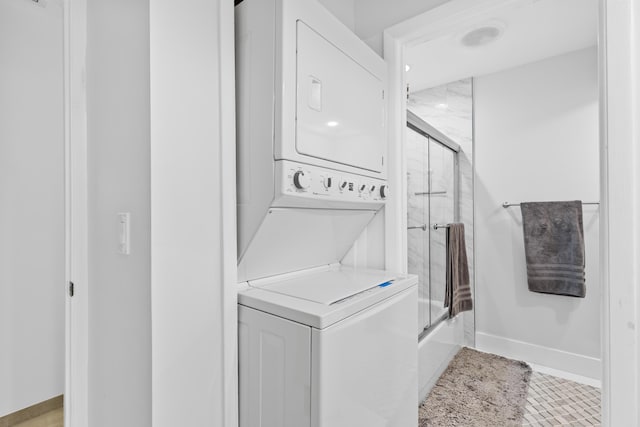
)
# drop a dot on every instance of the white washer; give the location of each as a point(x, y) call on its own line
point(330, 347)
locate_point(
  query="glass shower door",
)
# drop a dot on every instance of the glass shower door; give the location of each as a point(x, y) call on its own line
point(418, 220)
point(432, 187)
point(442, 210)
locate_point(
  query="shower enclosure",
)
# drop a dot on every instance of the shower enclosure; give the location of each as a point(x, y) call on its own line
point(432, 200)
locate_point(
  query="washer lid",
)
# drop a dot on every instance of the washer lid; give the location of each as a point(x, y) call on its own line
point(330, 287)
point(323, 296)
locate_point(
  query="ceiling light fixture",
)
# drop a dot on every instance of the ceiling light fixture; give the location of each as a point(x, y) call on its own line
point(407, 67)
point(332, 124)
point(483, 34)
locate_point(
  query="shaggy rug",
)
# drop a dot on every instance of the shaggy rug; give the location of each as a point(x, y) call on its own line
point(478, 389)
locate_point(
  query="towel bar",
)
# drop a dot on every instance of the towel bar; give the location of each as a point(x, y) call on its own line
point(437, 226)
point(508, 205)
point(423, 227)
point(423, 193)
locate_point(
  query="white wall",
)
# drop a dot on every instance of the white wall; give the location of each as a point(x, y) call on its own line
point(32, 271)
point(368, 250)
point(193, 214)
point(372, 17)
point(536, 139)
point(118, 165)
point(344, 10)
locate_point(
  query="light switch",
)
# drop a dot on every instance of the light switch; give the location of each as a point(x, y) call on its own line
point(124, 224)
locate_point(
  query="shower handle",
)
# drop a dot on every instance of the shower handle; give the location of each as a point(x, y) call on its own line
point(423, 227)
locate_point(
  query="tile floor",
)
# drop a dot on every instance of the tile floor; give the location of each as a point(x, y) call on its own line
point(551, 402)
point(554, 401)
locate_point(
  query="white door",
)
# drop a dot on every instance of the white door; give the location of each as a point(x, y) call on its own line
point(340, 105)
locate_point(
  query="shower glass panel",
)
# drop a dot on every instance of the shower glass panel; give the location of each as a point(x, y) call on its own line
point(418, 220)
point(431, 199)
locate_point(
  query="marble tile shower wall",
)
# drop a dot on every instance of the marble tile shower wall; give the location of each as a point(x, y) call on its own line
point(449, 108)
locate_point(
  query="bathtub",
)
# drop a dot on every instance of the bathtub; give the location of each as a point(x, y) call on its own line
point(436, 348)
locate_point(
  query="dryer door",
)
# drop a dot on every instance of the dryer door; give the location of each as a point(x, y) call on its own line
point(340, 105)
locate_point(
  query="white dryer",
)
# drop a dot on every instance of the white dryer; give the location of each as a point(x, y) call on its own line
point(311, 136)
point(329, 347)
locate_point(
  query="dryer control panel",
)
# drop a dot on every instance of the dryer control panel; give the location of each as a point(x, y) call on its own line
point(316, 183)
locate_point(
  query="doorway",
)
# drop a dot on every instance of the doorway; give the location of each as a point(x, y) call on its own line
point(436, 23)
point(32, 218)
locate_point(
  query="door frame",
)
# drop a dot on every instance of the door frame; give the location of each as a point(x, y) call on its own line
point(76, 392)
point(76, 386)
point(619, 179)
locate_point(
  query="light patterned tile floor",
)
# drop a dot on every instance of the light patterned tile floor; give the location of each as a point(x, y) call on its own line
point(554, 401)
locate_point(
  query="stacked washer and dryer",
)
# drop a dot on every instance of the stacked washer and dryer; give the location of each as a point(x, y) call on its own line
point(320, 344)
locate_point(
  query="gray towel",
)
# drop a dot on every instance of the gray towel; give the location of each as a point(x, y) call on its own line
point(554, 247)
point(457, 291)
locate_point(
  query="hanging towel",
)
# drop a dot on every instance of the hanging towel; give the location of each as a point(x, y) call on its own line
point(554, 247)
point(457, 293)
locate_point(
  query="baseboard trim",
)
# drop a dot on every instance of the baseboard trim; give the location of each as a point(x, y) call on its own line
point(31, 411)
point(566, 375)
point(575, 367)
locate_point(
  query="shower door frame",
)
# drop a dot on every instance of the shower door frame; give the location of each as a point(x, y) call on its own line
point(415, 123)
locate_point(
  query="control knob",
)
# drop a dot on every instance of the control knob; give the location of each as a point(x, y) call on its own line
point(384, 191)
point(300, 180)
point(328, 182)
point(362, 188)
